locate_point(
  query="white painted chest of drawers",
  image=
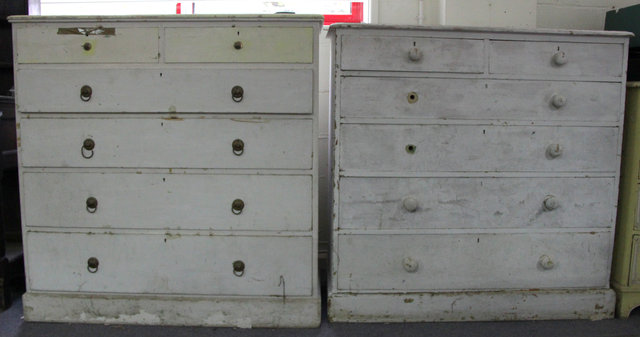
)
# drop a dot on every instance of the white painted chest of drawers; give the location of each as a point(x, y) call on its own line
point(475, 173)
point(168, 169)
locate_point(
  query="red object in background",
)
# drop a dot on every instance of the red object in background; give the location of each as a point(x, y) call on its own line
point(356, 15)
point(178, 9)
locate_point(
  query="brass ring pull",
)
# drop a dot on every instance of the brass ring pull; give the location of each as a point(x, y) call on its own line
point(85, 93)
point(238, 268)
point(87, 148)
point(237, 93)
point(238, 147)
point(92, 204)
point(92, 265)
point(237, 206)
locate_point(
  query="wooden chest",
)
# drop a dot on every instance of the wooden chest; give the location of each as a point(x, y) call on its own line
point(168, 169)
point(475, 172)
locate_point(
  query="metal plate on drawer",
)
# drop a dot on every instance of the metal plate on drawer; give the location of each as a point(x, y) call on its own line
point(415, 203)
point(477, 148)
point(540, 58)
point(88, 43)
point(178, 142)
point(473, 261)
point(412, 54)
point(169, 264)
point(168, 201)
point(437, 98)
point(239, 44)
point(163, 90)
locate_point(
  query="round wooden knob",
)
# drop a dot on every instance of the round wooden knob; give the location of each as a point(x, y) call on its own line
point(558, 101)
point(546, 262)
point(560, 58)
point(410, 204)
point(415, 54)
point(554, 151)
point(87, 46)
point(410, 265)
point(550, 203)
point(237, 45)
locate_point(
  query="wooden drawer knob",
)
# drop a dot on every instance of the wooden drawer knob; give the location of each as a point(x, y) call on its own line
point(237, 45)
point(558, 101)
point(560, 58)
point(410, 204)
point(550, 203)
point(554, 151)
point(87, 46)
point(415, 54)
point(410, 265)
point(546, 262)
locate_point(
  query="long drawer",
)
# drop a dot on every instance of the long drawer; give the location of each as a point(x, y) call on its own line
point(86, 43)
point(167, 143)
point(168, 201)
point(473, 261)
point(479, 99)
point(239, 44)
point(556, 58)
point(169, 264)
point(416, 148)
point(412, 54)
point(413, 203)
point(163, 90)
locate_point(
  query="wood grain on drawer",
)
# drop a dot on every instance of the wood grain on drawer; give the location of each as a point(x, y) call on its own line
point(65, 44)
point(169, 264)
point(412, 203)
point(473, 261)
point(168, 201)
point(167, 143)
point(166, 90)
point(479, 99)
point(415, 148)
point(555, 58)
point(412, 54)
point(239, 44)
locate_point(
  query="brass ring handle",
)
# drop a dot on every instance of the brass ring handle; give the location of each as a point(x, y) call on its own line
point(87, 46)
point(237, 93)
point(412, 97)
point(238, 268)
point(238, 147)
point(85, 93)
point(92, 204)
point(237, 45)
point(237, 206)
point(87, 148)
point(92, 265)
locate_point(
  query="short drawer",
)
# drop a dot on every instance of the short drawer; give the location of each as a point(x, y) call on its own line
point(250, 143)
point(239, 44)
point(414, 203)
point(556, 58)
point(437, 98)
point(168, 201)
point(412, 54)
point(166, 90)
point(473, 261)
point(419, 148)
point(86, 43)
point(169, 264)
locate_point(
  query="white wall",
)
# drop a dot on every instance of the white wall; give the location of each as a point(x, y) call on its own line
point(577, 14)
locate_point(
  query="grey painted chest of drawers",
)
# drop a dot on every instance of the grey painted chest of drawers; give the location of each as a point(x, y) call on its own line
point(167, 169)
point(475, 172)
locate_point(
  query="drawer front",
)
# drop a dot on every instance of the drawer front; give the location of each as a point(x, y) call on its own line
point(196, 201)
point(412, 54)
point(70, 44)
point(634, 274)
point(480, 99)
point(167, 143)
point(165, 264)
point(448, 148)
point(414, 203)
point(473, 261)
point(239, 44)
point(555, 58)
point(166, 90)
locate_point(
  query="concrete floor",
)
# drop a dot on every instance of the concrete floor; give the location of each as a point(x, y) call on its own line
point(12, 325)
